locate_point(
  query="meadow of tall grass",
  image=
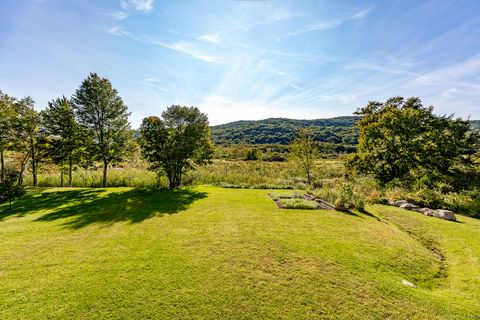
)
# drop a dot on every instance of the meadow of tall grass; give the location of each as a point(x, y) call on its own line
point(329, 182)
point(246, 174)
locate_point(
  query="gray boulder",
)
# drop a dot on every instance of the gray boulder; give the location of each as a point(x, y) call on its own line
point(445, 214)
point(398, 203)
point(408, 206)
point(427, 211)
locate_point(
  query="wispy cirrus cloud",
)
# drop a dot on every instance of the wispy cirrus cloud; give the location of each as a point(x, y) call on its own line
point(120, 15)
point(460, 73)
point(139, 5)
point(118, 31)
point(187, 48)
point(333, 23)
point(211, 37)
point(276, 15)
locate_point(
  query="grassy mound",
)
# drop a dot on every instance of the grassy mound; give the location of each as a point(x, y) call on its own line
point(206, 252)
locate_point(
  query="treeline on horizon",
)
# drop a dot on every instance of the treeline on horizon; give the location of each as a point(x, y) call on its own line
point(92, 128)
point(334, 135)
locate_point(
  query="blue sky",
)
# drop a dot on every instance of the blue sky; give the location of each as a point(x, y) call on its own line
point(246, 59)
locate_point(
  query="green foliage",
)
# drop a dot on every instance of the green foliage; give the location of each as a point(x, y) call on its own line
point(7, 132)
point(304, 152)
point(287, 195)
point(66, 137)
point(27, 134)
point(176, 143)
point(10, 189)
point(298, 203)
point(252, 154)
point(339, 132)
point(401, 139)
point(341, 195)
point(102, 113)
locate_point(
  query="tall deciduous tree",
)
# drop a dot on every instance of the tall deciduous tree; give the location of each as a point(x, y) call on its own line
point(64, 133)
point(27, 130)
point(101, 111)
point(177, 142)
point(7, 133)
point(400, 138)
point(304, 150)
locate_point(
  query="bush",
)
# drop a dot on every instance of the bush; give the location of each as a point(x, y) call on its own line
point(341, 195)
point(296, 203)
point(10, 189)
point(466, 202)
point(286, 195)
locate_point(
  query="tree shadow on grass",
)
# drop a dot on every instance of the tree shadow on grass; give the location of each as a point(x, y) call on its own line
point(83, 207)
point(37, 199)
point(350, 213)
point(369, 214)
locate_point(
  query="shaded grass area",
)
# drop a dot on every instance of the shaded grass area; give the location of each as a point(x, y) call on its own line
point(81, 207)
point(206, 252)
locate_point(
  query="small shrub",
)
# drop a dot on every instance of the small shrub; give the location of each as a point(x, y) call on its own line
point(285, 195)
point(341, 195)
point(296, 203)
point(10, 189)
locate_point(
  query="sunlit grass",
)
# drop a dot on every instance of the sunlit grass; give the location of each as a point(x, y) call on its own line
point(214, 253)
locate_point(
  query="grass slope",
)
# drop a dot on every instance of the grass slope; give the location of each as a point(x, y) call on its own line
point(208, 252)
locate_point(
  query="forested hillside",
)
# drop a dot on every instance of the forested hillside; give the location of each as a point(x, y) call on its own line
point(339, 131)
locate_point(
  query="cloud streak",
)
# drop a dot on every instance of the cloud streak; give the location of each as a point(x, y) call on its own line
point(187, 48)
point(333, 23)
point(120, 15)
point(139, 5)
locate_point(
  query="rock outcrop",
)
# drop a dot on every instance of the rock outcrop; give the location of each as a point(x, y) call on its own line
point(440, 213)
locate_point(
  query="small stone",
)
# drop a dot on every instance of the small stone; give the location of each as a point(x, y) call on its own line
point(408, 284)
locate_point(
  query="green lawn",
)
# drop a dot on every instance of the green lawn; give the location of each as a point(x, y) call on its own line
point(209, 253)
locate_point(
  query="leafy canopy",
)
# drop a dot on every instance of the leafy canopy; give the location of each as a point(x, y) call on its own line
point(177, 142)
point(101, 111)
point(401, 139)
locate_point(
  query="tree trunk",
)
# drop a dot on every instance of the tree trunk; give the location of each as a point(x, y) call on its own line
point(105, 167)
point(22, 168)
point(2, 177)
point(70, 178)
point(61, 174)
point(34, 166)
point(179, 179)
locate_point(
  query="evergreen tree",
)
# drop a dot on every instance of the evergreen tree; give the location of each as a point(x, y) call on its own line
point(65, 135)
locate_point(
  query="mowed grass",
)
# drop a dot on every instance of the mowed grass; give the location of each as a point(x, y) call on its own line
point(213, 253)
